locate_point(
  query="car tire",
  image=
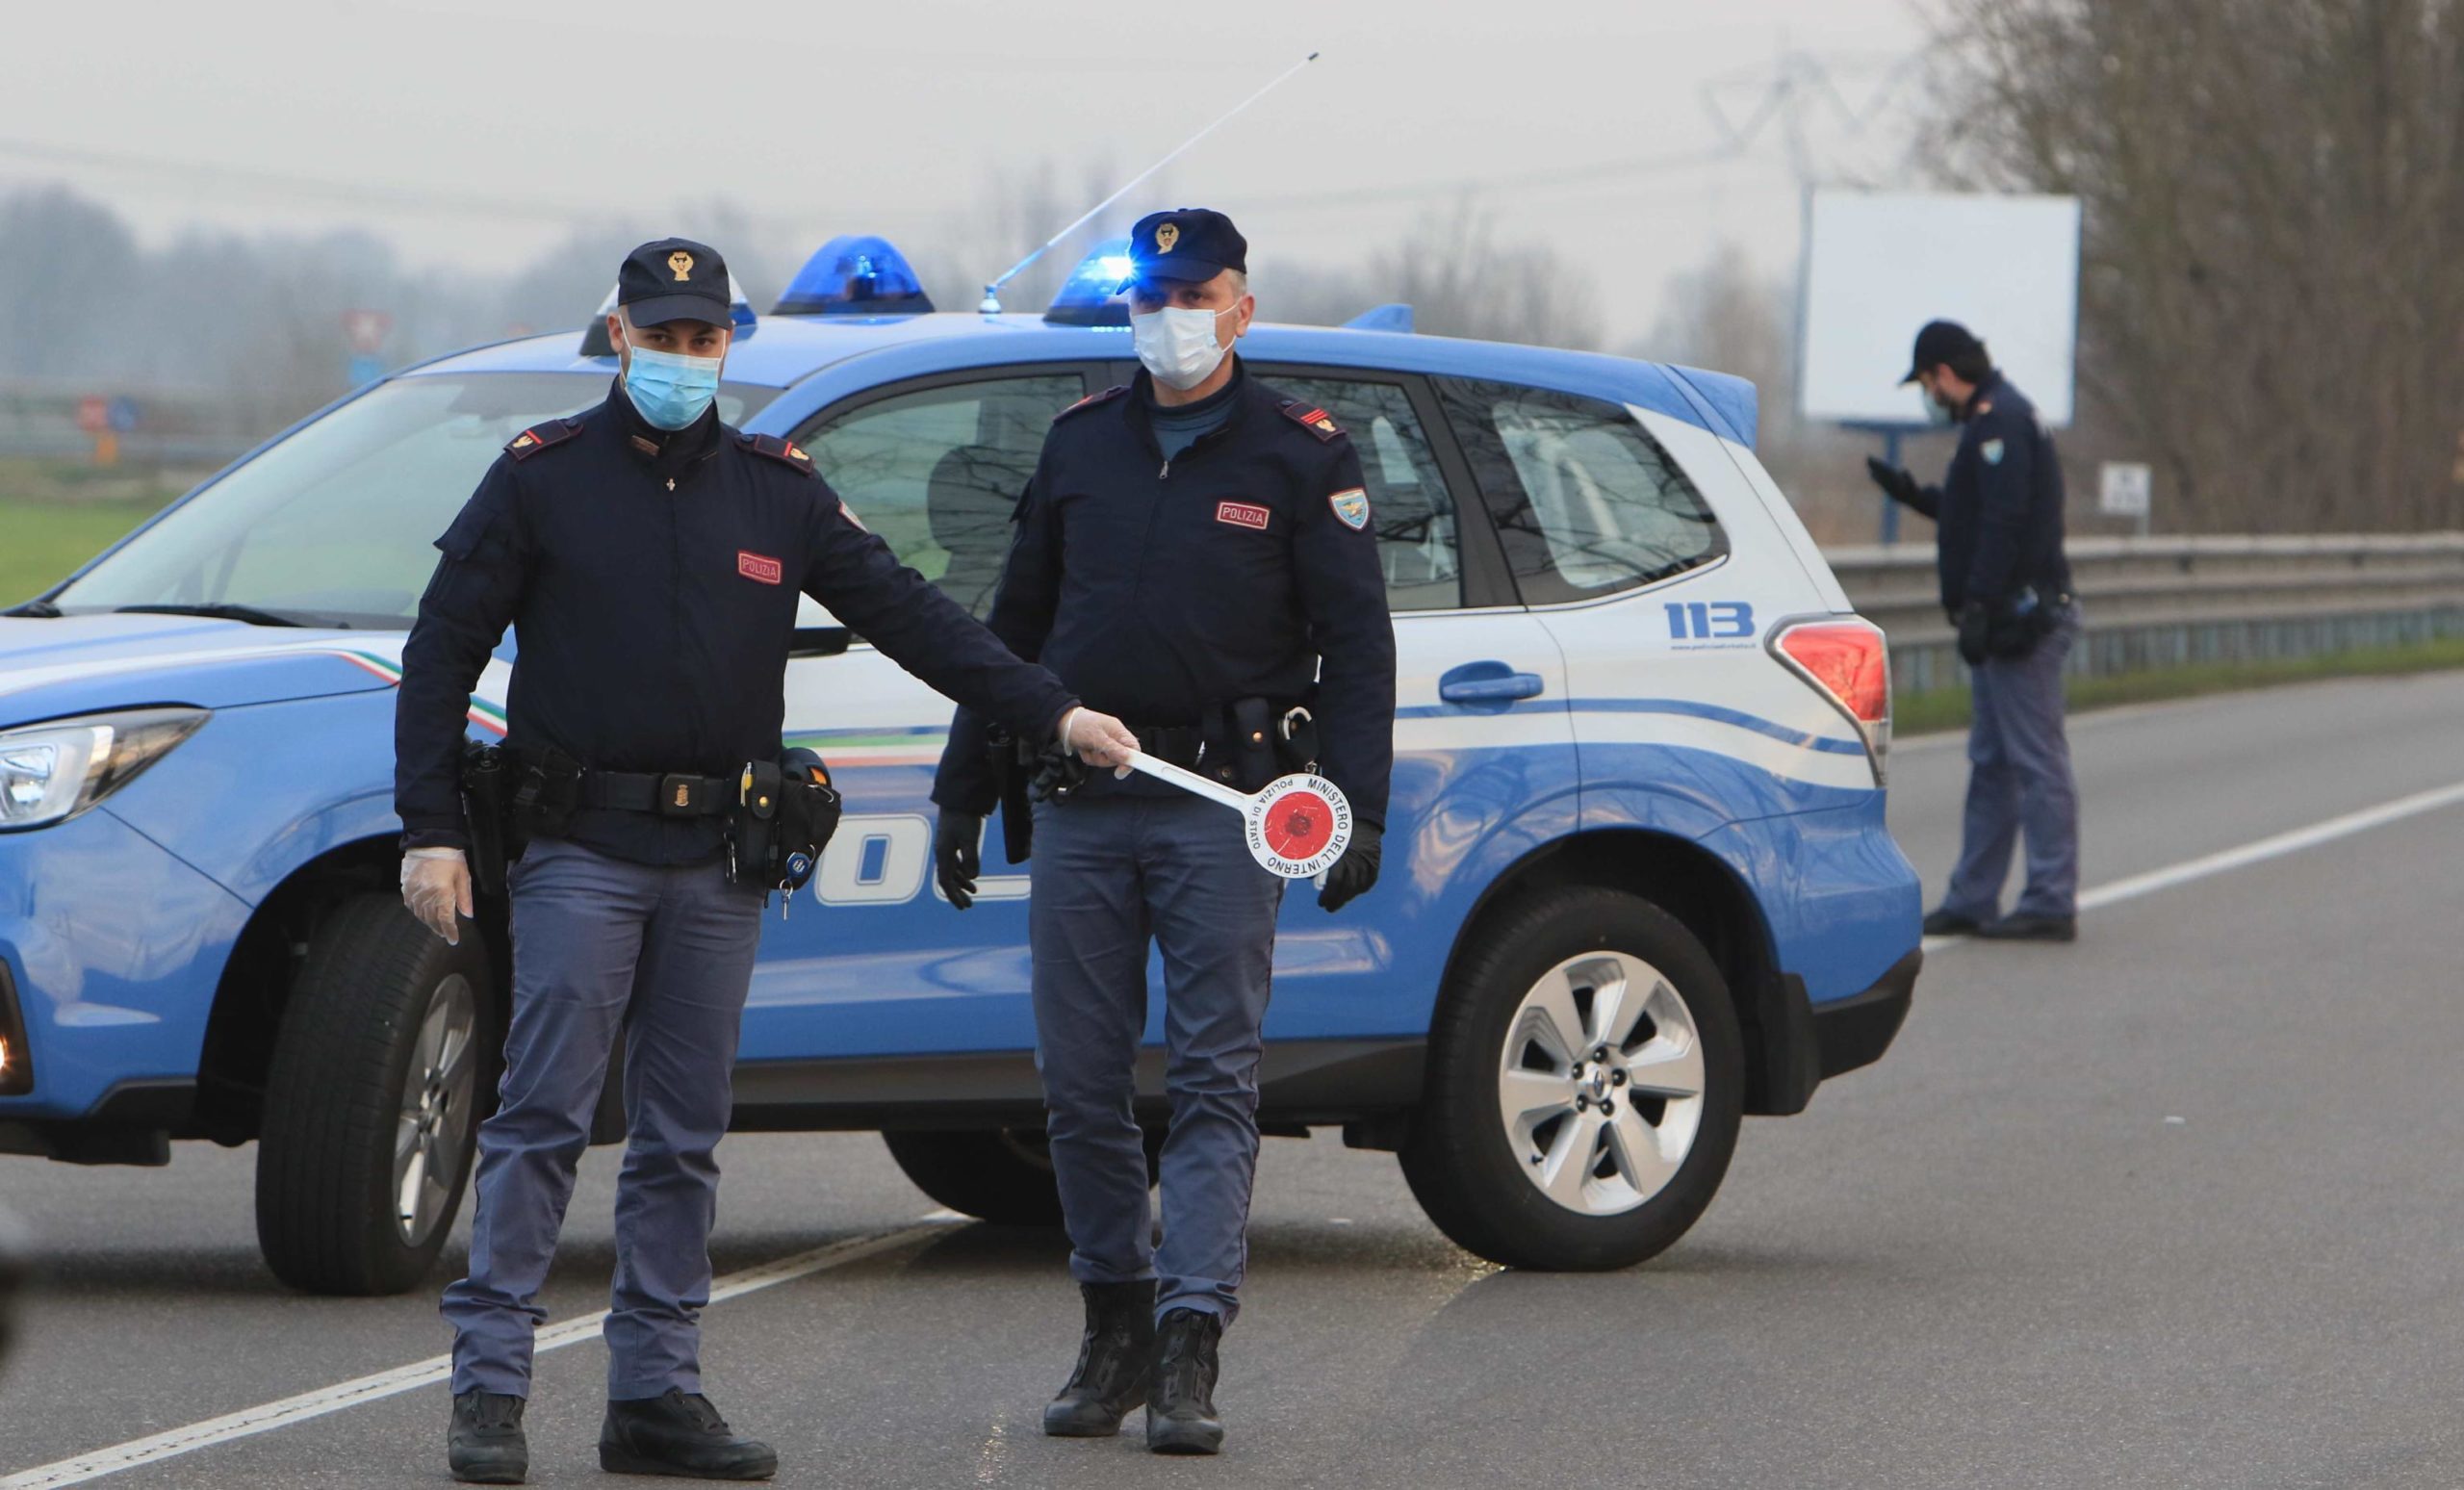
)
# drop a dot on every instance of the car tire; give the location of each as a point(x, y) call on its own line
point(1536, 1155)
point(362, 1160)
point(1002, 1176)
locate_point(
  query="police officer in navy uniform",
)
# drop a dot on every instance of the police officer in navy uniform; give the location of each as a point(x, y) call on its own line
point(2007, 586)
point(1195, 554)
point(650, 559)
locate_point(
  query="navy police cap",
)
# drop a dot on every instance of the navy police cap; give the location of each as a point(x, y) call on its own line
point(1189, 244)
point(674, 279)
point(1941, 342)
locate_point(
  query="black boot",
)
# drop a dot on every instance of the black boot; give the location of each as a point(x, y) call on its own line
point(1114, 1359)
point(2030, 928)
point(485, 1446)
point(678, 1434)
point(1949, 923)
point(1180, 1405)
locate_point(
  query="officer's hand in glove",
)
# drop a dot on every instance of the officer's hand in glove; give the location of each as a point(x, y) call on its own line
point(436, 883)
point(958, 854)
point(1895, 481)
point(1974, 624)
point(1358, 871)
point(1099, 739)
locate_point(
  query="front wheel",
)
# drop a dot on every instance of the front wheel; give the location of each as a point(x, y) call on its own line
point(372, 1111)
point(1585, 1087)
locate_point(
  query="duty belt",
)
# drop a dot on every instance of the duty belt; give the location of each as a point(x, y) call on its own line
point(677, 794)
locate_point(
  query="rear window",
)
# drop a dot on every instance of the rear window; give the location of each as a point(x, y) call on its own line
point(1585, 502)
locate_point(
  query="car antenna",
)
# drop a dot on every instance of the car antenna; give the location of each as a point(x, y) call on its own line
point(991, 305)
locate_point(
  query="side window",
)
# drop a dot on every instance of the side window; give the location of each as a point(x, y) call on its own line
point(1585, 502)
point(1416, 538)
point(935, 472)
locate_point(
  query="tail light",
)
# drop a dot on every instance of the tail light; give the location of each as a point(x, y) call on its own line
point(1847, 659)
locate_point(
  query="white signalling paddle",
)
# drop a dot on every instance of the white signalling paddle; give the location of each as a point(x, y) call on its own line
point(1299, 825)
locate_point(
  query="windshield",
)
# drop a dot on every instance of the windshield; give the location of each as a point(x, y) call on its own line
point(334, 525)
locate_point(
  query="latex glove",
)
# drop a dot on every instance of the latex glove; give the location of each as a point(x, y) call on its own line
point(1099, 739)
point(436, 882)
point(1896, 482)
point(1974, 624)
point(1358, 871)
point(958, 850)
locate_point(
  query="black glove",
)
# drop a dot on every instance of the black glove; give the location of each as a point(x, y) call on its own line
point(1057, 774)
point(1895, 480)
point(1358, 871)
point(1974, 625)
point(958, 839)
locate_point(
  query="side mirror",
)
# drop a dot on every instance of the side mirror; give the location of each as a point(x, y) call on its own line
point(819, 641)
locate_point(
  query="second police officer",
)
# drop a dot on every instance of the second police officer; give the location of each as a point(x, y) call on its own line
point(650, 558)
point(1195, 554)
point(2006, 586)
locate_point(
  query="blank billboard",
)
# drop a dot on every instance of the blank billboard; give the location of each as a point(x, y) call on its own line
point(1880, 265)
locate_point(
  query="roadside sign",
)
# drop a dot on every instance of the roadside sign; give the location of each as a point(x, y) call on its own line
point(364, 370)
point(93, 413)
point(2123, 489)
point(365, 329)
point(121, 415)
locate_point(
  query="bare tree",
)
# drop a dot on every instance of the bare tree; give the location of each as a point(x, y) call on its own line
point(1461, 280)
point(2271, 293)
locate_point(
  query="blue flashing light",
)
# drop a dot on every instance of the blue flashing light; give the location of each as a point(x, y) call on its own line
point(1397, 317)
point(1092, 294)
point(855, 274)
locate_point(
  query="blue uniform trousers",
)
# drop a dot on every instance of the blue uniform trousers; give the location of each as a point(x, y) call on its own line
point(602, 945)
point(1112, 873)
point(2019, 778)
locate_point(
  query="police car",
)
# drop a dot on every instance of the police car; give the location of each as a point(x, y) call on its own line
point(1637, 881)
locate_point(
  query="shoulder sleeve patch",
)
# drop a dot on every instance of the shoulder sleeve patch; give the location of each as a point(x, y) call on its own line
point(1308, 416)
point(1092, 399)
point(786, 453)
point(538, 437)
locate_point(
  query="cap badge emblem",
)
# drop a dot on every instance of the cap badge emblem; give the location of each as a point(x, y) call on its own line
point(1167, 236)
point(682, 263)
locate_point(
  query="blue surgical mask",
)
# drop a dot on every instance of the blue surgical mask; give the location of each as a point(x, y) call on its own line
point(668, 389)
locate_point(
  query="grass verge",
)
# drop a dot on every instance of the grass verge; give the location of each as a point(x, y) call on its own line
point(43, 542)
point(1947, 708)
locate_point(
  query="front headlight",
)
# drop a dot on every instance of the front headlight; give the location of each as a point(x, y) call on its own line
point(52, 772)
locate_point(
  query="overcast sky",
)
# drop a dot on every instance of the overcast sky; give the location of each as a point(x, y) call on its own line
point(476, 133)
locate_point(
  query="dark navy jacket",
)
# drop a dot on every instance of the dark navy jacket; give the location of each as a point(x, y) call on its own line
point(651, 579)
point(1156, 589)
point(2000, 506)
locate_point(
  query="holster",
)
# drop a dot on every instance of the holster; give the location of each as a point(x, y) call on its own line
point(546, 788)
point(784, 816)
point(484, 810)
point(1251, 741)
point(1010, 774)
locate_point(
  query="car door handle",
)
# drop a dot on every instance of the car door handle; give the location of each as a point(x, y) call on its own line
point(1487, 682)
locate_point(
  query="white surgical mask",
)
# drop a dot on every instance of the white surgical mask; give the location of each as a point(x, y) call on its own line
point(1935, 414)
point(1178, 346)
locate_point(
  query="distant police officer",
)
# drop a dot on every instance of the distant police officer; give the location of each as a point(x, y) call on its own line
point(1194, 554)
point(2007, 587)
point(650, 557)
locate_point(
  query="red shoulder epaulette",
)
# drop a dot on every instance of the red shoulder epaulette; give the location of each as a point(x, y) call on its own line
point(538, 437)
point(1308, 416)
point(786, 453)
point(1092, 399)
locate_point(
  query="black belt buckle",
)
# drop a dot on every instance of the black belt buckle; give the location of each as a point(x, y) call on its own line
point(680, 795)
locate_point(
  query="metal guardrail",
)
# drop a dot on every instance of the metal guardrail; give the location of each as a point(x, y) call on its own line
point(2156, 602)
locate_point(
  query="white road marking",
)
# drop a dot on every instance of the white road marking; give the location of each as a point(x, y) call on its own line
point(2277, 847)
point(268, 1416)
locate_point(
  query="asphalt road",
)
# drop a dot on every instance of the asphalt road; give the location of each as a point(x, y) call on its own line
point(2175, 1206)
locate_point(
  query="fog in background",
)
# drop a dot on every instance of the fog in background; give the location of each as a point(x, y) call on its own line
point(191, 199)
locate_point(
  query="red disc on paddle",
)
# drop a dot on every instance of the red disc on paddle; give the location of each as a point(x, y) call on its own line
point(1300, 823)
